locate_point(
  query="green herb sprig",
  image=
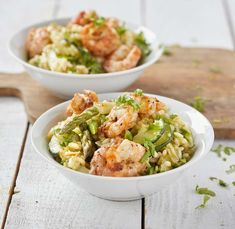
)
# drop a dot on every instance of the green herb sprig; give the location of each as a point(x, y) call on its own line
point(231, 169)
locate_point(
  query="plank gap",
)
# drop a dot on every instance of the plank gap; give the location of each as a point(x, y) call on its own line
point(143, 213)
point(229, 21)
point(143, 12)
point(56, 9)
point(13, 184)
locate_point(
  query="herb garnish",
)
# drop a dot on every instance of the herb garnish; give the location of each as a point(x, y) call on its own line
point(231, 169)
point(198, 103)
point(220, 182)
point(204, 191)
point(215, 69)
point(121, 30)
point(207, 193)
point(233, 183)
point(127, 100)
point(228, 150)
point(143, 45)
point(167, 52)
point(205, 200)
point(99, 21)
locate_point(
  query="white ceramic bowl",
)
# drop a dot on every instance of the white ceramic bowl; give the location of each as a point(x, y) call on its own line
point(65, 84)
point(125, 188)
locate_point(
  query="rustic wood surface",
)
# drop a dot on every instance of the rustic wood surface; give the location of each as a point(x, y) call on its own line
point(183, 74)
point(199, 23)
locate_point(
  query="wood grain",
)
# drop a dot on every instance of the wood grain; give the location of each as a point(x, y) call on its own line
point(186, 73)
point(197, 23)
point(46, 199)
point(36, 98)
point(12, 127)
point(174, 207)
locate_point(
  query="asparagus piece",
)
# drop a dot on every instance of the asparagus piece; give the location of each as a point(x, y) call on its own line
point(88, 145)
point(79, 119)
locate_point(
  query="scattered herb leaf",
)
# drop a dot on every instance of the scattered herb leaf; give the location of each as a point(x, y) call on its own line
point(231, 169)
point(218, 150)
point(138, 91)
point(198, 103)
point(228, 150)
point(204, 191)
point(220, 182)
point(205, 200)
point(215, 69)
point(121, 30)
point(167, 52)
point(126, 99)
point(196, 62)
point(233, 183)
point(143, 45)
point(99, 21)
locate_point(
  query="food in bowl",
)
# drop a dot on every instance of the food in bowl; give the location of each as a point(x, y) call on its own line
point(88, 44)
point(132, 135)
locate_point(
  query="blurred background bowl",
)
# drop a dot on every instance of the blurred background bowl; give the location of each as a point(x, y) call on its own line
point(65, 85)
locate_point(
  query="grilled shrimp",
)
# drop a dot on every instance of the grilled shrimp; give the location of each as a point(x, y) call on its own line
point(125, 61)
point(36, 40)
point(119, 120)
point(148, 105)
point(80, 102)
point(100, 40)
point(120, 159)
point(84, 17)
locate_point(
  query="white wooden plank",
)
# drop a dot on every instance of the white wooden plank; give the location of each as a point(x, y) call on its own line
point(12, 127)
point(126, 10)
point(48, 200)
point(174, 207)
point(189, 23)
point(16, 15)
point(230, 7)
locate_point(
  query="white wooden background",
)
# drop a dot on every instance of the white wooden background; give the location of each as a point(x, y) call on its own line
point(35, 195)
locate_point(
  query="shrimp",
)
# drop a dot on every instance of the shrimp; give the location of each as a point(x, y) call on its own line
point(120, 159)
point(84, 18)
point(100, 40)
point(119, 120)
point(148, 105)
point(129, 60)
point(80, 102)
point(36, 40)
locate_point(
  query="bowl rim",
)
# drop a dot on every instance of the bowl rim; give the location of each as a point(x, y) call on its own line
point(158, 50)
point(200, 153)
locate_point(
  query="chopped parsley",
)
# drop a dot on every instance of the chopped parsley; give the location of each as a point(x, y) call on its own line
point(207, 194)
point(198, 103)
point(233, 183)
point(143, 45)
point(121, 30)
point(90, 62)
point(127, 100)
point(218, 150)
point(205, 200)
point(220, 182)
point(99, 21)
point(138, 91)
point(204, 191)
point(167, 52)
point(196, 62)
point(231, 169)
point(215, 69)
point(150, 147)
point(228, 150)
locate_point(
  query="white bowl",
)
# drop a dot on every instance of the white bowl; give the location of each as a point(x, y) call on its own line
point(66, 84)
point(125, 188)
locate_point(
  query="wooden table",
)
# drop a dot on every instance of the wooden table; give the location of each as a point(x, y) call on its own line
point(35, 195)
